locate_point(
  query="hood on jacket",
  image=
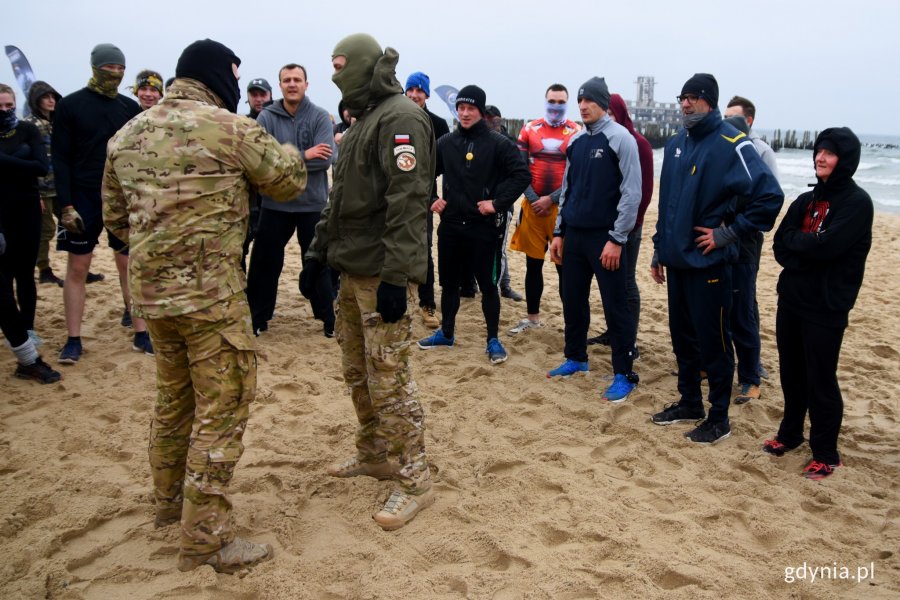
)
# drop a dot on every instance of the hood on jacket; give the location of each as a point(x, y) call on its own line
point(620, 112)
point(843, 142)
point(277, 107)
point(369, 74)
point(36, 92)
point(341, 114)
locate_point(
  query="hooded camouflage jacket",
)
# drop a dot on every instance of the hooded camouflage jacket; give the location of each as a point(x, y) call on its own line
point(176, 187)
point(45, 126)
point(375, 222)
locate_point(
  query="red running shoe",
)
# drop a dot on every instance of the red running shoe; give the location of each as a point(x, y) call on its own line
point(818, 470)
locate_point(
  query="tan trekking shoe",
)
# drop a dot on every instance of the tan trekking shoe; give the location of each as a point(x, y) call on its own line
point(429, 318)
point(748, 392)
point(353, 468)
point(239, 554)
point(167, 516)
point(401, 508)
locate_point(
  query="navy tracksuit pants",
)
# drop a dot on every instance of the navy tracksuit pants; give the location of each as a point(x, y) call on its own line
point(699, 308)
point(581, 264)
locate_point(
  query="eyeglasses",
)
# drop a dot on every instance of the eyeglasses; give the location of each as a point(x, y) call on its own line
point(691, 98)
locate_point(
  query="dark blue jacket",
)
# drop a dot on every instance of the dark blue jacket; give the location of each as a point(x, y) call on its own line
point(704, 169)
point(602, 183)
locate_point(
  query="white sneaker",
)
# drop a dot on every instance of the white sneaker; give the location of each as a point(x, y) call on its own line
point(525, 324)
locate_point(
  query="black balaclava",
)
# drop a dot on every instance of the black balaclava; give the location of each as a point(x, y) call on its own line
point(362, 52)
point(209, 62)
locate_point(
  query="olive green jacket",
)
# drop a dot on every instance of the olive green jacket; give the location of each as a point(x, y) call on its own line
point(374, 224)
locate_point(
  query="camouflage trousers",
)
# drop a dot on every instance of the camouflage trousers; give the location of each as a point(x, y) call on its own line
point(375, 359)
point(206, 377)
point(48, 232)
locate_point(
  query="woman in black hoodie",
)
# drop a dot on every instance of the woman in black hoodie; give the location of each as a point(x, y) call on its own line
point(822, 243)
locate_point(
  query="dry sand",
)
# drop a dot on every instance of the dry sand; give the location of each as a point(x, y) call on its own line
point(544, 490)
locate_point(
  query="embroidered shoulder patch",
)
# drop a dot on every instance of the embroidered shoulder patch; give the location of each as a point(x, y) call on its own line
point(406, 161)
point(404, 148)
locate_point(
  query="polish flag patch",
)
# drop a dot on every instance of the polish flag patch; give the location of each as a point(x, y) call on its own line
point(401, 138)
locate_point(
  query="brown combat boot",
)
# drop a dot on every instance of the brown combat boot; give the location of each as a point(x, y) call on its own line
point(401, 508)
point(353, 468)
point(429, 318)
point(239, 554)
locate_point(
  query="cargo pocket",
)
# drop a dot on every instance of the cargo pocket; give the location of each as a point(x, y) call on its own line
point(243, 351)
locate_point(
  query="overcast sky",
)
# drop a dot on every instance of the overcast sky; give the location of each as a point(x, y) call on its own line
point(806, 64)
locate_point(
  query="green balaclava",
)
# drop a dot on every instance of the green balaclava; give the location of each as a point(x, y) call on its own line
point(104, 82)
point(362, 52)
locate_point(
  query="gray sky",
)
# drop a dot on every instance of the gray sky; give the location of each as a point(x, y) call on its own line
point(806, 65)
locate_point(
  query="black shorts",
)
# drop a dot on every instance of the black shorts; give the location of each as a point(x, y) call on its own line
point(89, 206)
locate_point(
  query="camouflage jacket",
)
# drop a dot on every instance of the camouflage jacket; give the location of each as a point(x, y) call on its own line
point(375, 222)
point(175, 189)
point(45, 184)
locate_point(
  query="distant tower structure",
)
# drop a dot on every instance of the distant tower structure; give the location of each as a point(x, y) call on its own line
point(657, 121)
point(645, 85)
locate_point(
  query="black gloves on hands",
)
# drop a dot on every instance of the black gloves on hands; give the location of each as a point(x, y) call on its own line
point(309, 277)
point(391, 302)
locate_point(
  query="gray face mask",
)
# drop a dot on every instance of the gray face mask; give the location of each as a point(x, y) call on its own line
point(690, 120)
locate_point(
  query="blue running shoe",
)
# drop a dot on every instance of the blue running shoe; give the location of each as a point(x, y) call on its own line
point(621, 386)
point(496, 352)
point(568, 368)
point(142, 343)
point(71, 352)
point(434, 340)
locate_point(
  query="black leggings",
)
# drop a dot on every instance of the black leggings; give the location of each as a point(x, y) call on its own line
point(534, 283)
point(462, 250)
point(23, 235)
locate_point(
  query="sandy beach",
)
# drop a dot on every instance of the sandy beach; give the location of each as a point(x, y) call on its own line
point(544, 491)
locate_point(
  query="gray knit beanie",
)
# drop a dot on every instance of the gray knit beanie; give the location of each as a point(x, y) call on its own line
point(106, 54)
point(595, 89)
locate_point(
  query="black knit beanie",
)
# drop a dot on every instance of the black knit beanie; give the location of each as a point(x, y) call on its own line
point(703, 85)
point(209, 62)
point(595, 90)
point(472, 94)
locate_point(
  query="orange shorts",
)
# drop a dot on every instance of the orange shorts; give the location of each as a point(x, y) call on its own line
point(533, 233)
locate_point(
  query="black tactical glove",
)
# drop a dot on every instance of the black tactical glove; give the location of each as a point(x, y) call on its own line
point(391, 302)
point(309, 277)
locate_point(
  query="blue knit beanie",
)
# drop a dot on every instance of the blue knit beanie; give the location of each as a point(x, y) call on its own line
point(419, 80)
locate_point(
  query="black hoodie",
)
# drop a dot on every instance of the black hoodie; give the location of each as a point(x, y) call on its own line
point(823, 269)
